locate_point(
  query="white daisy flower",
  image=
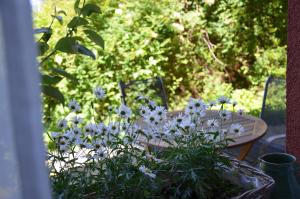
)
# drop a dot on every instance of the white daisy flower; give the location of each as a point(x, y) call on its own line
point(225, 115)
point(144, 110)
point(147, 171)
point(89, 128)
point(187, 123)
point(124, 112)
point(69, 135)
point(55, 134)
point(96, 144)
point(240, 111)
point(62, 124)
point(113, 128)
point(223, 100)
point(213, 124)
point(152, 118)
point(237, 129)
point(74, 106)
point(212, 104)
point(103, 130)
point(76, 120)
point(101, 153)
point(234, 103)
point(77, 132)
point(161, 111)
point(178, 119)
point(118, 11)
point(99, 92)
point(63, 144)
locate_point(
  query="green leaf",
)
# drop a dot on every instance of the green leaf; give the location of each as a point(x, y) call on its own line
point(89, 9)
point(62, 12)
point(42, 30)
point(67, 45)
point(47, 33)
point(53, 92)
point(76, 6)
point(77, 21)
point(42, 47)
point(50, 80)
point(58, 18)
point(97, 39)
point(85, 51)
point(64, 74)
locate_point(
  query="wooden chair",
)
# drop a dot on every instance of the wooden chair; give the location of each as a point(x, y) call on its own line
point(152, 88)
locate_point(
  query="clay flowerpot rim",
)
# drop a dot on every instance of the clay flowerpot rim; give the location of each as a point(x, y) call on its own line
point(292, 159)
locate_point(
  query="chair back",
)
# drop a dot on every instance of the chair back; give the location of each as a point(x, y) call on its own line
point(274, 102)
point(152, 88)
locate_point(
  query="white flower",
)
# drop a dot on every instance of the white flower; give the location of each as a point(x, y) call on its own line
point(187, 123)
point(161, 111)
point(69, 135)
point(178, 27)
point(55, 134)
point(144, 110)
point(152, 61)
point(152, 103)
point(113, 128)
point(99, 92)
point(74, 106)
point(103, 130)
point(101, 153)
point(62, 124)
point(177, 15)
point(223, 100)
point(209, 2)
point(118, 11)
point(225, 115)
point(76, 120)
point(178, 119)
point(63, 144)
point(237, 129)
point(77, 131)
point(147, 171)
point(83, 144)
point(212, 103)
point(234, 103)
point(213, 124)
point(89, 128)
point(124, 111)
point(152, 118)
point(240, 111)
point(96, 144)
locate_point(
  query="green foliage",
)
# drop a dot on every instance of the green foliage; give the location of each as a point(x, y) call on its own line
point(199, 49)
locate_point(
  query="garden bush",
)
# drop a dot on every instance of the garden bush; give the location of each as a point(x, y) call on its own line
point(200, 48)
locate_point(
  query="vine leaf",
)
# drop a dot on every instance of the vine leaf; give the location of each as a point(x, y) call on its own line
point(93, 36)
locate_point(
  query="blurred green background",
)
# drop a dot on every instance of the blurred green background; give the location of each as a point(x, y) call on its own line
point(201, 49)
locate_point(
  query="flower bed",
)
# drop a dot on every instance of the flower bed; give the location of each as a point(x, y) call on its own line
point(105, 159)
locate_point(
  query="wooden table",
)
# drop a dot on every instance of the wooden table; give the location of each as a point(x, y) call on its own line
point(254, 127)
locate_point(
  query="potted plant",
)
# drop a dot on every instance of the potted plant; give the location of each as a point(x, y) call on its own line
point(106, 159)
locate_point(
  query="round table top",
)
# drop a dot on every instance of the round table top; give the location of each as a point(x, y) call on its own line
point(254, 127)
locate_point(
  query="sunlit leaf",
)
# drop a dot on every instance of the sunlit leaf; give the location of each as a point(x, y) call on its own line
point(77, 21)
point(97, 39)
point(64, 74)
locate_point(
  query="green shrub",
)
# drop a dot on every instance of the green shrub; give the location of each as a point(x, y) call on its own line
point(199, 50)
